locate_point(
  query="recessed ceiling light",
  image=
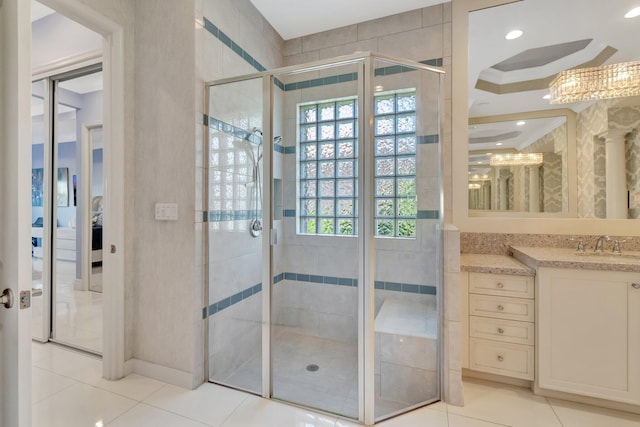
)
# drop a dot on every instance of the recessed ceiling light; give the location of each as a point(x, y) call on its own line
point(498, 143)
point(514, 34)
point(521, 123)
point(633, 13)
point(547, 96)
point(379, 88)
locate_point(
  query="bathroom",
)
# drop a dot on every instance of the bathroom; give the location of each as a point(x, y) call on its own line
point(171, 261)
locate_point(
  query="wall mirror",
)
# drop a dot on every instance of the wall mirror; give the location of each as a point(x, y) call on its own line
point(569, 141)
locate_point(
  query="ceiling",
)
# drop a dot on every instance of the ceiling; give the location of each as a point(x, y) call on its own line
point(296, 18)
point(512, 76)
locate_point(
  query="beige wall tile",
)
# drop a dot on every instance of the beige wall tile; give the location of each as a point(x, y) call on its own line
point(432, 15)
point(390, 25)
point(335, 37)
point(418, 45)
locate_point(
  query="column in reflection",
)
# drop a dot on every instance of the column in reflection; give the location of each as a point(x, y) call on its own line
point(616, 178)
point(534, 188)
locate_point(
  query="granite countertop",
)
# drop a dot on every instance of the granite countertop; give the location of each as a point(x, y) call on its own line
point(568, 258)
point(494, 264)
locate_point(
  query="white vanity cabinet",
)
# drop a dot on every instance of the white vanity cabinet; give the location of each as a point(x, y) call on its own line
point(501, 324)
point(589, 332)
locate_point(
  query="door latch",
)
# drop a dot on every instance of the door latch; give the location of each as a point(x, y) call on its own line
point(6, 298)
point(25, 299)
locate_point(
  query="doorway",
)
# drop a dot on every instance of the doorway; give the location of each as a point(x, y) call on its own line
point(67, 193)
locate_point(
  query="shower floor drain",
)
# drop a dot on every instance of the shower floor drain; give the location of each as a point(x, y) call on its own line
point(312, 368)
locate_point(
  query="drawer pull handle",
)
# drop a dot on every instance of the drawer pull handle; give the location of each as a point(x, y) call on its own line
point(500, 285)
point(500, 358)
point(500, 331)
point(635, 285)
point(500, 308)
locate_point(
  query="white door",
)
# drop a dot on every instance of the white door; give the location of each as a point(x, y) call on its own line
point(15, 240)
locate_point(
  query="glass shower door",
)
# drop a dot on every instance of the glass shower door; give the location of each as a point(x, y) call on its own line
point(315, 300)
point(235, 152)
point(407, 217)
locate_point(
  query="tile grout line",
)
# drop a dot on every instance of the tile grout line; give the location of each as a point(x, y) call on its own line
point(554, 411)
point(236, 409)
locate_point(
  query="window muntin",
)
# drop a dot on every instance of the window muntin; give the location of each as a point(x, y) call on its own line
point(328, 166)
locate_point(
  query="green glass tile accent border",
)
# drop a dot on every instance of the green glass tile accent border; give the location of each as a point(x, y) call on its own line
point(429, 139)
point(311, 278)
point(226, 40)
point(434, 214)
point(239, 215)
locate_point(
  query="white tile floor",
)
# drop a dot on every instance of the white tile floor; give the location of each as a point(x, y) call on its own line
point(68, 391)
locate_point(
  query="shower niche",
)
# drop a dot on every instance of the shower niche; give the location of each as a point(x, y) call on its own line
point(335, 304)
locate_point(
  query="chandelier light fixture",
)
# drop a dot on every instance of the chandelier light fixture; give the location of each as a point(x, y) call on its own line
point(474, 186)
point(604, 82)
point(518, 159)
point(478, 177)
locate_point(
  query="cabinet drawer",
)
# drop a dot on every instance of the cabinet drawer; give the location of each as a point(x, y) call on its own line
point(513, 360)
point(502, 307)
point(502, 330)
point(67, 244)
point(501, 284)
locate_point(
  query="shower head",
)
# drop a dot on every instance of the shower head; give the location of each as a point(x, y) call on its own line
point(277, 140)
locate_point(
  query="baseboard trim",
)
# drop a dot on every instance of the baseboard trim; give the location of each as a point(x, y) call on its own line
point(468, 373)
point(160, 373)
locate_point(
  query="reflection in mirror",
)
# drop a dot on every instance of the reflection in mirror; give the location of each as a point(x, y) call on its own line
point(518, 165)
point(586, 62)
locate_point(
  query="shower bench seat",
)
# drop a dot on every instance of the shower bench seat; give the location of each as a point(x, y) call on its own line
point(406, 334)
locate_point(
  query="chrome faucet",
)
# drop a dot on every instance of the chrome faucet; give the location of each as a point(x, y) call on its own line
point(600, 243)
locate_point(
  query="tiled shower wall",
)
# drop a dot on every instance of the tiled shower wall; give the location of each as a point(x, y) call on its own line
point(226, 46)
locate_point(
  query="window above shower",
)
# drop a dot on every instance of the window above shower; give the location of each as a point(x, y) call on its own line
point(328, 167)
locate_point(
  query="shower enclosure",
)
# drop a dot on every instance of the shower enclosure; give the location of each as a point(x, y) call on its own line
point(324, 223)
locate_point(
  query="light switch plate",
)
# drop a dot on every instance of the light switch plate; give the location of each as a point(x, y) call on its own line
point(166, 212)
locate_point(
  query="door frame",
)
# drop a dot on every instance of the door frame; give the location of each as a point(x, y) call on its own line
point(15, 206)
point(113, 66)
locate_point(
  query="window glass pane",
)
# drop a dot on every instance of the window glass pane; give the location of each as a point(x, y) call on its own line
point(327, 207)
point(345, 226)
point(346, 109)
point(309, 170)
point(407, 228)
point(384, 125)
point(309, 152)
point(346, 149)
point(346, 130)
point(326, 226)
point(384, 227)
point(406, 144)
point(346, 168)
point(308, 133)
point(327, 169)
point(308, 114)
point(406, 165)
point(406, 187)
point(407, 207)
point(346, 207)
point(384, 187)
point(327, 150)
point(384, 104)
point(327, 111)
point(384, 167)
point(327, 189)
point(407, 123)
point(309, 188)
point(406, 103)
point(384, 146)
point(346, 188)
point(327, 131)
point(384, 207)
point(309, 207)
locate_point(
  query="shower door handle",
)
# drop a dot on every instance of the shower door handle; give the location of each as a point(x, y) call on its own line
point(35, 292)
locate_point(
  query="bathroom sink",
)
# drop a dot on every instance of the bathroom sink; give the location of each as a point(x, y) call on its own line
point(610, 256)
